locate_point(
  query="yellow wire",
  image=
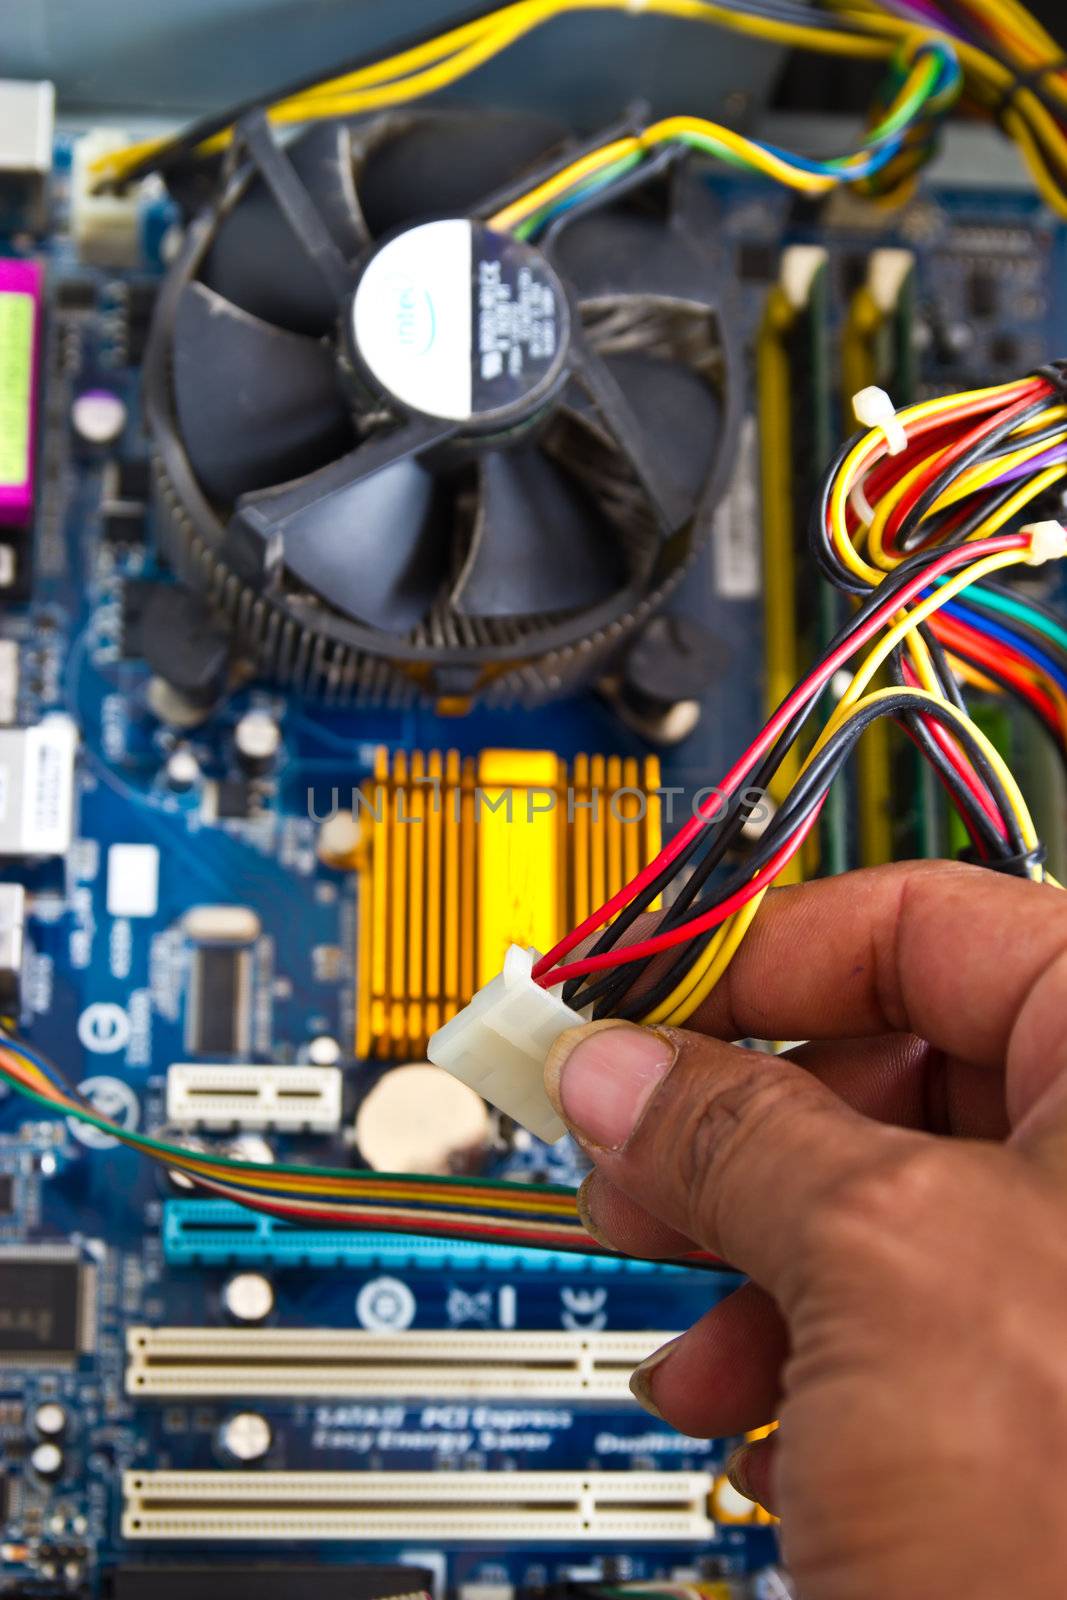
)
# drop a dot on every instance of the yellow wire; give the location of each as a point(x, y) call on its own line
point(690, 994)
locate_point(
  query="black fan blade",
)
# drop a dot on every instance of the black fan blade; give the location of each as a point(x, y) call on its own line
point(678, 414)
point(539, 545)
point(256, 405)
point(256, 259)
point(445, 163)
point(368, 533)
point(610, 253)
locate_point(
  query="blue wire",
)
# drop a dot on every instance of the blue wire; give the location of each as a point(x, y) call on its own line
point(982, 623)
point(17, 1048)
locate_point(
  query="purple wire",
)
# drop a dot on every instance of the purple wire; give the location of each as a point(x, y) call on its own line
point(923, 9)
point(1051, 458)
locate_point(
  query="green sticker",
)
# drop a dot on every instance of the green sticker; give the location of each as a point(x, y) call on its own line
point(16, 379)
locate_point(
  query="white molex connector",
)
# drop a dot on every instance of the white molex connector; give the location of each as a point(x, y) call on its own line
point(499, 1042)
point(1048, 542)
point(874, 409)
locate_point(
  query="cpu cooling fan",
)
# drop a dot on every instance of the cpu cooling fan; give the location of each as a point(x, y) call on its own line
point(406, 455)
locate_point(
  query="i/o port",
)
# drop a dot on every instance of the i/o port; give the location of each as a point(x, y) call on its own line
point(613, 1507)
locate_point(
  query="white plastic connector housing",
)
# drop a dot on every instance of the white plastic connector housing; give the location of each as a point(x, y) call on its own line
point(290, 1099)
point(1048, 542)
point(874, 409)
point(498, 1044)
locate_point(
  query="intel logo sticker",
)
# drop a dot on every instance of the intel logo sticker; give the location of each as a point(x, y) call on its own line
point(412, 318)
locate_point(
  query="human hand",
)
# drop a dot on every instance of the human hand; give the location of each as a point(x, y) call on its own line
point(906, 1318)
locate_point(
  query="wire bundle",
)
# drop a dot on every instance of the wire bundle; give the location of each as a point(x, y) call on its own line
point(1015, 72)
point(541, 1215)
point(924, 82)
point(903, 534)
point(1007, 63)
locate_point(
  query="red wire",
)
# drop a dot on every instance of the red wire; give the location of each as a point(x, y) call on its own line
point(703, 924)
point(953, 452)
point(1008, 662)
point(963, 769)
point(889, 471)
point(545, 971)
point(572, 1239)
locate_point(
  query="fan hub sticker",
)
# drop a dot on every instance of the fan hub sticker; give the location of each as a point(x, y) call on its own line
point(459, 322)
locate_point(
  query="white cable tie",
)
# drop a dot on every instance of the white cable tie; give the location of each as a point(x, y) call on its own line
point(860, 504)
point(874, 409)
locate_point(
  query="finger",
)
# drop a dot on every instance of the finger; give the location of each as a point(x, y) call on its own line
point(897, 1079)
point(971, 960)
point(723, 1376)
point(751, 1470)
point(620, 1223)
point(727, 1146)
point(905, 1081)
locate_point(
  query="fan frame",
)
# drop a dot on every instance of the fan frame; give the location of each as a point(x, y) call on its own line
point(545, 659)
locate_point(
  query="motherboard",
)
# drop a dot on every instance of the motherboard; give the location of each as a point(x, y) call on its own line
point(206, 921)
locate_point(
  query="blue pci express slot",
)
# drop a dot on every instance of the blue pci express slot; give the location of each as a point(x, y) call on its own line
point(208, 1233)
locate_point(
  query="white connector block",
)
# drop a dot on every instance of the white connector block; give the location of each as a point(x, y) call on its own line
point(498, 1044)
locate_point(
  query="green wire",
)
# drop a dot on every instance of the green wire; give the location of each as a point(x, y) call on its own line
point(1011, 607)
point(142, 1141)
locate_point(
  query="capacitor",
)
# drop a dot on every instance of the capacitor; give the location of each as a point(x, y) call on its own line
point(98, 416)
point(250, 1147)
point(47, 1459)
point(182, 770)
point(246, 1436)
point(248, 1297)
point(257, 739)
point(339, 841)
point(50, 1420)
point(324, 1051)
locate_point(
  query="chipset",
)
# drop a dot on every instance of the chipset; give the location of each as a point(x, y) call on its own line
point(47, 1306)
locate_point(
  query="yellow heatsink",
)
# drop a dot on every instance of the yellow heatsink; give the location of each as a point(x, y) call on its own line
point(462, 856)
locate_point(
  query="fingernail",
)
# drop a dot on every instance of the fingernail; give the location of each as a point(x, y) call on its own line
point(602, 1077)
point(641, 1379)
point(585, 1215)
point(737, 1471)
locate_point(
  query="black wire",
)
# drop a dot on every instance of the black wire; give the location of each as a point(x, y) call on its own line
point(911, 527)
point(204, 128)
point(1045, 723)
point(807, 794)
point(604, 992)
point(1009, 592)
point(978, 820)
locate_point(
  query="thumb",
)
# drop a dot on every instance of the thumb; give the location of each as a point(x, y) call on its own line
point(736, 1149)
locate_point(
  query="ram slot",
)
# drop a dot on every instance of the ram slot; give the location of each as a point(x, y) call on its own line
point(174, 1363)
point(897, 807)
point(605, 1508)
point(793, 385)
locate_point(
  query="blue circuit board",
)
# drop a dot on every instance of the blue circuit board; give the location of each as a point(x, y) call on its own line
point(107, 996)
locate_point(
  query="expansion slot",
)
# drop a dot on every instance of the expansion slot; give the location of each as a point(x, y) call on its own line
point(214, 1233)
point(878, 347)
point(792, 367)
point(286, 1098)
point(508, 1507)
point(181, 1363)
